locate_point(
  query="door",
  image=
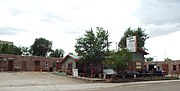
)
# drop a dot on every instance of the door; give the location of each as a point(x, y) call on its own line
point(165, 68)
point(10, 65)
point(0, 65)
point(37, 65)
point(179, 68)
point(23, 66)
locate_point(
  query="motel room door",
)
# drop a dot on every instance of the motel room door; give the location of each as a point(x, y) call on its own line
point(0, 65)
point(10, 65)
point(179, 68)
point(24, 66)
point(165, 68)
point(37, 65)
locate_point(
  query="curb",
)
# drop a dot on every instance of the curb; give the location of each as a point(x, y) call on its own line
point(148, 82)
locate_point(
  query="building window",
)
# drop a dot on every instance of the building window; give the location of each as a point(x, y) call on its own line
point(138, 65)
point(46, 65)
point(174, 68)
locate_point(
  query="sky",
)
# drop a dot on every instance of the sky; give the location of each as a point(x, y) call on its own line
point(63, 21)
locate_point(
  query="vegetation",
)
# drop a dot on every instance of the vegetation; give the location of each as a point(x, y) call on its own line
point(93, 47)
point(25, 51)
point(168, 59)
point(149, 59)
point(10, 49)
point(57, 53)
point(119, 60)
point(140, 35)
point(41, 47)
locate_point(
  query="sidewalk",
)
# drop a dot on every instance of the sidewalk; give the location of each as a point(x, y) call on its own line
point(89, 79)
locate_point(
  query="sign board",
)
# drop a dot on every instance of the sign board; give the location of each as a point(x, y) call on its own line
point(131, 43)
point(75, 72)
point(109, 71)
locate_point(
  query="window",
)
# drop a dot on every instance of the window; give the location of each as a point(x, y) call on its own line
point(138, 65)
point(174, 68)
point(46, 65)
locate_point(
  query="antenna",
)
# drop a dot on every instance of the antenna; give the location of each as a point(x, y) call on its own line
point(116, 46)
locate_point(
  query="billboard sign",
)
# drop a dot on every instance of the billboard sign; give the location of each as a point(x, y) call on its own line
point(131, 43)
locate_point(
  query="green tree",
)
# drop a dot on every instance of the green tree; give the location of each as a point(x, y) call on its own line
point(25, 51)
point(41, 47)
point(168, 59)
point(140, 35)
point(93, 47)
point(16, 50)
point(120, 59)
point(10, 49)
point(149, 59)
point(4, 48)
point(57, 53)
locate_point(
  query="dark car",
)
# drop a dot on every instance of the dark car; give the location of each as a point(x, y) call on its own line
point(159, 73)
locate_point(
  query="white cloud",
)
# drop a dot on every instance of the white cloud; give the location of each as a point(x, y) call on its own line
point(164, 46)
point(62, 21)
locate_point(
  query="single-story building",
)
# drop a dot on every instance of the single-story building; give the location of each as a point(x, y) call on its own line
point(169, 67)
point(69, 63)
point(138, 60)
point(84, 68)
point(10, 62)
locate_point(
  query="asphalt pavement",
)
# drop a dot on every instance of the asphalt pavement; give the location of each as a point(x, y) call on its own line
point(42, 81)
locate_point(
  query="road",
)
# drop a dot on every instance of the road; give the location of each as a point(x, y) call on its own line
point(172, 86)
point(42, 81)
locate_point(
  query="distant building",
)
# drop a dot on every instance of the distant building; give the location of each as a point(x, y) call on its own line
point(6, 42)
point(88, 69)
point(10, 62)
point(168, 67)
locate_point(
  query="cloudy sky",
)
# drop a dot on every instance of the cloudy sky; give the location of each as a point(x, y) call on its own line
point(62, 21)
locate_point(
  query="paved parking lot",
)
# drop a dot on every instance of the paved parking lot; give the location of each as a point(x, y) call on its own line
point(42, 81)
point(34, 79)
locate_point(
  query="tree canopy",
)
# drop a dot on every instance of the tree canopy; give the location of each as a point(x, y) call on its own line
point(140, 35)
point(25, 51)
point(10, 49)
point(149, 59)
point(57, 53)
point(92, 46)
point(41, 47)
point(119, 60)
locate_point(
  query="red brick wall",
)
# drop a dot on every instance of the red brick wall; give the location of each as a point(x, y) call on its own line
point(29, 60)
point(167, 66)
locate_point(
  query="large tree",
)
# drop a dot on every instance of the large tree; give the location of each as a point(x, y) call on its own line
point(41, 47)
point(119, 60)
point(140, 35)
point(93, 47)
point(25, 51)
point(149, 59)
point(57, 53)
point(10, 49)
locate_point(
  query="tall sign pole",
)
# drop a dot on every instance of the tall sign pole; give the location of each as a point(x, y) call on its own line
point(131, 44)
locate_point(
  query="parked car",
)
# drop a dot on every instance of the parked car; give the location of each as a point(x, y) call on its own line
point(159, 73)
